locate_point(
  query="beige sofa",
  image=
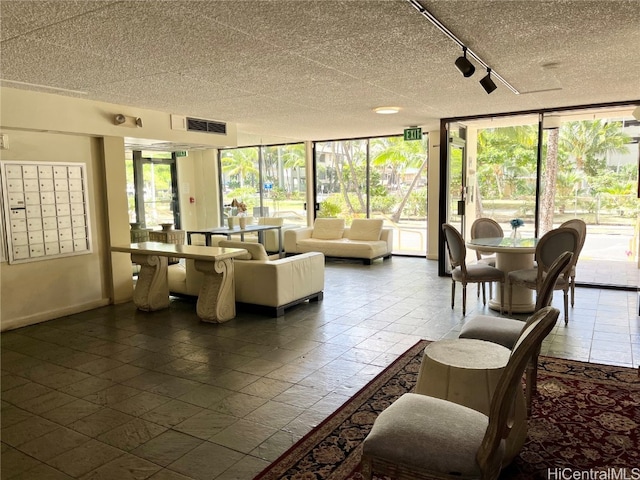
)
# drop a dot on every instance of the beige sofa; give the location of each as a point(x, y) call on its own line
point(262, 283)
point(366, 239)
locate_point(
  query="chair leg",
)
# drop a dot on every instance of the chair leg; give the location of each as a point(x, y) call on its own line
point(464, 299)
point(510, 298)
point(573, 290)
point(501, 297)
point(532, 380)
point(453, 293)
point(484, 293)
point(566, 306)
point(366, 468)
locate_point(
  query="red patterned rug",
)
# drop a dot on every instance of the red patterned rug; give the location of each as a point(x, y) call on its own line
point(586, 418)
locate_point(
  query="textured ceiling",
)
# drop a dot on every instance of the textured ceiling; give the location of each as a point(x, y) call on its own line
point(313, 70)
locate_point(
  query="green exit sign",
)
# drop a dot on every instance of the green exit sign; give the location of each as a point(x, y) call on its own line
point(413, 133)
point(181, 153)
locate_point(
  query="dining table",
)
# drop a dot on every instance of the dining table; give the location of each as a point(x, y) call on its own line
point(511, 254)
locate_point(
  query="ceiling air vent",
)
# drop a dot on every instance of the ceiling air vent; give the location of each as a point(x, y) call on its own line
point(206, 126)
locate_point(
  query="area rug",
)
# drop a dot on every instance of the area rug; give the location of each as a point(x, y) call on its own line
point(586, 418)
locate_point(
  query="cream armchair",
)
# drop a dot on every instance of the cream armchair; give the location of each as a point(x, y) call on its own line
point(262, 283)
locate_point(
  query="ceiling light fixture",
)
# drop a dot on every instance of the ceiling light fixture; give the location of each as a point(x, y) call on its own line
point(426, 14)
point(386, 110)
point(488, 84)
point(464, 65)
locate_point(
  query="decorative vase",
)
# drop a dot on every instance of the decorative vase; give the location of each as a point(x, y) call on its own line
point(243, 222)
point(515, 233)
point(166, 226)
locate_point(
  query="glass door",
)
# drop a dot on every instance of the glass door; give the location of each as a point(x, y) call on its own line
point(152, 189)
point(590, 171)
point(548, 168)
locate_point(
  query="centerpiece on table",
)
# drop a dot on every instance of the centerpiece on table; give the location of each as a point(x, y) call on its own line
point(516, 223)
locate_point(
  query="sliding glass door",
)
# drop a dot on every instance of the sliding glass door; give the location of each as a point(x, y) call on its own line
point(584, 165)
point(591, 172)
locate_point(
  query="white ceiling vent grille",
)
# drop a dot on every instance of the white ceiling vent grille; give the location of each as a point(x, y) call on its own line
point(207, 126)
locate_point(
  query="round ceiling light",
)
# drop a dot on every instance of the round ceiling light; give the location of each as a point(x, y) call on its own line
point(386, 110)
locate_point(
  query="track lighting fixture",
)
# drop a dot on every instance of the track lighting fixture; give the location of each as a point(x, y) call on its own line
point(464, 65)
point(119, 119)
point(487, 83)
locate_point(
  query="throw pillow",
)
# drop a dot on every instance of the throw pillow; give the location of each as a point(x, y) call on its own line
point(255, 251)
point(328, 228)
point(365, 229)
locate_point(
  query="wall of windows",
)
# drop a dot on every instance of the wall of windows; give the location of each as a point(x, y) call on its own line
point(546, 169)
point(267, 181)
point(382, 177)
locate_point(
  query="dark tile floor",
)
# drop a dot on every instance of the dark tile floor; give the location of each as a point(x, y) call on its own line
point(119, 394)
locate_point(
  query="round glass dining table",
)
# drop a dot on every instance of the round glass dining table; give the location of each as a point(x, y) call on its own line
point(511, 254)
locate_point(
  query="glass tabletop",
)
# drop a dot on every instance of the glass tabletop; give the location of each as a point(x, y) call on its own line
point(504, 242)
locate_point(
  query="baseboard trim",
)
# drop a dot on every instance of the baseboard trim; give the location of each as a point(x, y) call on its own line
point(51, 315)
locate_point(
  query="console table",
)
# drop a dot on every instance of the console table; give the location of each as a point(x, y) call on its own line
point(216, 300)
point(227, 232)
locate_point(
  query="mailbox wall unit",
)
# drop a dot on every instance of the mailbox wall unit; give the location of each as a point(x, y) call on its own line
point(46, 210)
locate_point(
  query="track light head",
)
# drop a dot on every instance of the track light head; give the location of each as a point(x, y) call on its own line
point(487, 83)
point(119, 119)
point(464, 65)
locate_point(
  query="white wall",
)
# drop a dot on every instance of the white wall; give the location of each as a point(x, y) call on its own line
point(45, 289)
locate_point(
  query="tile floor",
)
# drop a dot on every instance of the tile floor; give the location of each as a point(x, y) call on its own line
point(119, 394)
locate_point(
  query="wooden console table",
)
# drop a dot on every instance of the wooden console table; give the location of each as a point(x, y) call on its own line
point(216, 300)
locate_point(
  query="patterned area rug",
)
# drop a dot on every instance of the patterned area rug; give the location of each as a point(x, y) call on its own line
point(586, 417)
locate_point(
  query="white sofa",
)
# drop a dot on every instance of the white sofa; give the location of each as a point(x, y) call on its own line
point(366, 239)
point(262, 283)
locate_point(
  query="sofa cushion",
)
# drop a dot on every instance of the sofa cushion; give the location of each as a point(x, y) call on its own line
point(345, 247)
point(328, 228)
point(365, 229)
point(255, 251)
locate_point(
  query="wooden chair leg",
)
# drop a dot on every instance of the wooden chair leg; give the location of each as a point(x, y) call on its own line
point(531, 380)
point(501, 297)
point(510, 298)
point(566, 306)
point(464, 299)
point(453, 293)
point(573, 291)
point(366, 468)
point(484, 293)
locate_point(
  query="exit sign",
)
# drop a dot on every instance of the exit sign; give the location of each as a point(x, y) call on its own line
point(181, 153)
point(413, 133)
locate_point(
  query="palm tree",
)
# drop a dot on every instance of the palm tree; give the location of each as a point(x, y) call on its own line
point(588, 141)
point(241, 163)
point(397, 155)
point(294, 159)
